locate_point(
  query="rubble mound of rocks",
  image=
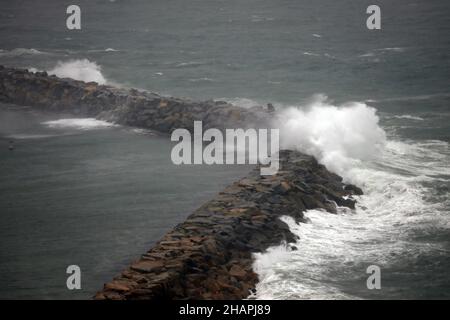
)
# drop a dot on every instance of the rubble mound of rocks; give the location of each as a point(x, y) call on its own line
point(209, 256)
point(122, 106)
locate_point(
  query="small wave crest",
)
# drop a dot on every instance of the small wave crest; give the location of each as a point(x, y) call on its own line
point(409, 117)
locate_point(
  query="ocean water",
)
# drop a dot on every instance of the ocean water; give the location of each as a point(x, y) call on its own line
point(373, 106)
point(84, 192)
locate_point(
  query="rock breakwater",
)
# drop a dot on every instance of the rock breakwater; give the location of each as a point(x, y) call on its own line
point(122, 106)
point(209, 256)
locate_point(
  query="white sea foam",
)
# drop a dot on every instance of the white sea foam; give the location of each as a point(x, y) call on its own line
point(390, 219)
point(306, 53)
point(409, 117)
point(83, 70)
point(335, 249)
point(392, 49)
point(189, 64)
point(78, 123)
point(382, 51)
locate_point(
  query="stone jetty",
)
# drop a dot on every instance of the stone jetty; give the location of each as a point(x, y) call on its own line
point(210, 254)
point(129, 107)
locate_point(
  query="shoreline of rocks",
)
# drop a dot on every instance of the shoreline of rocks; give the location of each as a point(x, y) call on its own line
point(210, 254)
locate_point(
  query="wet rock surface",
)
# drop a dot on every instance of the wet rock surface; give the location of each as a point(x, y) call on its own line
point(123, 106)
point(209, 256)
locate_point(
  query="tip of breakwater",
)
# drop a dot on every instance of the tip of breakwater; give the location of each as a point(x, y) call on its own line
point(210, 254)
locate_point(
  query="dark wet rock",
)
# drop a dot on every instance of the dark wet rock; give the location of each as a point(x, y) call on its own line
point(353, 189)
point(123, 106)
point(210, 255)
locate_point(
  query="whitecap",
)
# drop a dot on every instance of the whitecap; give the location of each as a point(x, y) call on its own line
point(189, 64)
point(393, 49)
point(206, 79)
point(78, 123)
point(306, 53)
point(409, 117)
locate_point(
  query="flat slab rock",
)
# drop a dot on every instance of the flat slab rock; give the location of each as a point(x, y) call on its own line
point(209, 256)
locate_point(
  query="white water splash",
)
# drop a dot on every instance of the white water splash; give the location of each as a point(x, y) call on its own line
point(399, 211)
point(338, 136)
point(78, 123)
point(83, 70)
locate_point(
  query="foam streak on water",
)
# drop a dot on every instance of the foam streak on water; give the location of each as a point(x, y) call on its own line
point(78, 123)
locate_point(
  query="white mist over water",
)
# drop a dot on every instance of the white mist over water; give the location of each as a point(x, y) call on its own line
point(394, 222)
point(83, 70)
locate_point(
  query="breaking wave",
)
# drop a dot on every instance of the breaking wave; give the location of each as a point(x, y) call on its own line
point(83, 70)
point(400, 223)
point(338, 136)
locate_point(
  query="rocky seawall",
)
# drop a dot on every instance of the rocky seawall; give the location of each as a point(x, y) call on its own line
point(209, 256)
point(123, 106)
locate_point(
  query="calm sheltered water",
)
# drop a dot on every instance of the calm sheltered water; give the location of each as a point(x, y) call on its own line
point(97, 197)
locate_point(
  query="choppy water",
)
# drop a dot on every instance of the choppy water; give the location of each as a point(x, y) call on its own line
point(394, 142)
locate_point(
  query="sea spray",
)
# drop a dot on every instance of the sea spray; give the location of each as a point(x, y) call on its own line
point(338, 136)
point(398, 224)
point(83, 70)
